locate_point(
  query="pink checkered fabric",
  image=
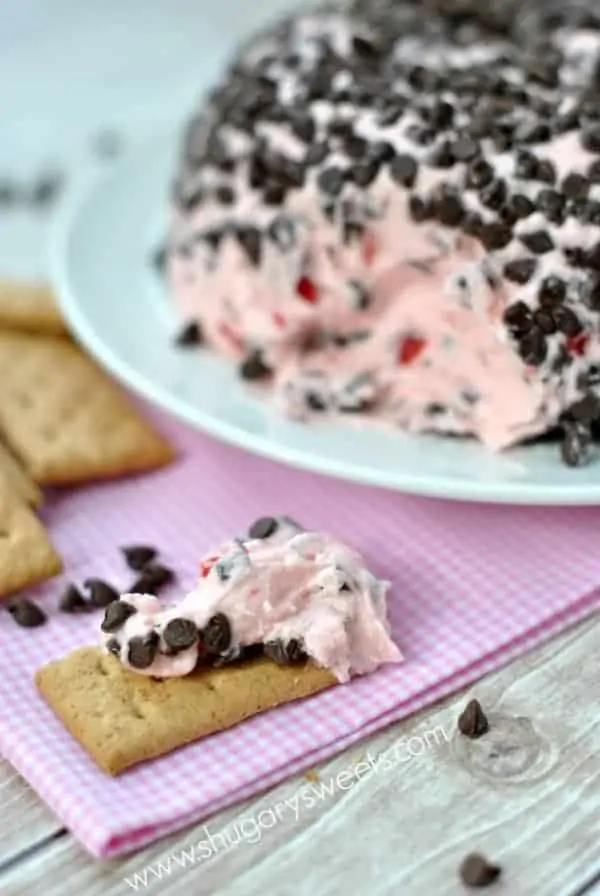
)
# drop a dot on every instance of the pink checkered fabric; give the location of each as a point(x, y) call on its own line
point(473, 586)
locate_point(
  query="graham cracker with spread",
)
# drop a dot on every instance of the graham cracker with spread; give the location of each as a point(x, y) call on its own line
point(66, 419)
point(26, 554)
point(30, 307)
point(18, 480)
point(123, 718)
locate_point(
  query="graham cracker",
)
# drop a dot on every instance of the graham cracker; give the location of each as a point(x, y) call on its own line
point(18, 480)
point(122, 718)
point(26, 553)
point(66, 419)
point(30, 307)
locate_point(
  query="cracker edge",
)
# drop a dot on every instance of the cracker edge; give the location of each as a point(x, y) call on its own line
point(32, 537)
point(30, 307)
point(18, 479)
point(122, 718)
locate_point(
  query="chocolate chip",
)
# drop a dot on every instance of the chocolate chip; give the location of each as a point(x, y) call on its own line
point(476, 871)
point(521, 205)
point(273, 194)
point(364, 173)
point(441, 156)
point(116, 616)
point(575, 186)
point(518, 317)
point(190, 335)
point(420, 209)
point(316, 154)
point(254, 368)
point(533, 348)
point(472, 722)
point(552, 204)
point(590, 137)
point(355, 147)
point(249, 239)
point(141, 651)
point(479, 174)
point(464, 149)
point(158, 574)
point(575, 445)
point(521, 270)
point(180, 634)
point(526, 164)
point(587, 409)
point(449, 209)
point(404, 170)
point(216, 636)
point(263, 527)
point(72, 600)
point(495, 235)
point(539, 241)
point(26, 613)
point(392, 112)
point(114, 647)
point(566, 321)
point(472, 224)
point(138, 556)
point(282, 232)
point(593, 172)
point(494, 194)
point(101, 594)
point(331, 181)
point(381, 151)
point(552, 290)
point(545, 171)
point(545, 321)
point(304, 128)
point(285, 654)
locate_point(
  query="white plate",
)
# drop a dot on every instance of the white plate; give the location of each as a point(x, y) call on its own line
point(119, 310)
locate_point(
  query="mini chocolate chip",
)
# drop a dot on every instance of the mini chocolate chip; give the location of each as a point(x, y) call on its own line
point(180, 634)
point(273, 194)
point(567, 321)
point(441, 156)
point(190, 335)
point(592, 257)
point(575, 186)
point(420, 209)
point(495, 235)
point(316, 154)
point(116, 616)
point(381, 151)
point(477, 872)
point(552, 204)
point(364, 173)
point(114, 647)
point(533, 348)
point(545, 172)
point(472, 722)
point(158, 574)
point(138, 556)
point(254, 368)
point(225, 195)
point(593, 172)
point(590, 137)
point(464, 149)
point(518, 317)
point(587, 409)
point(249, 239)
point(552, 290)
point(539, 241)
point(404, 170)
point(575, 445)
point(355, 146)
point(282, 232)
point(521, 205)
point(479, 173)
point(304, 128)
point(472, 224)
point(285, 654)
point(72, 600)
point(216, 636)
point(26, 613)
point(545, 321)
point(449, 210)
point(521, 270)
point(101, 594)
point(494, 195)
point(263, 527)
point(331, 181)
point(526, 164)
point(141, 651)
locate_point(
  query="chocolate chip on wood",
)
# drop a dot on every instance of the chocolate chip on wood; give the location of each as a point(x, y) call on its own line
point(472, 722)
point(477, 872)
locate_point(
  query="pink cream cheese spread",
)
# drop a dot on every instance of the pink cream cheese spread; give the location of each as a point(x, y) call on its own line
point(284, 592)
point(382, 212)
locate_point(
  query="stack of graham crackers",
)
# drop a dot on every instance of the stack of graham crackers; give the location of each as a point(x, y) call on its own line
point(63, 422)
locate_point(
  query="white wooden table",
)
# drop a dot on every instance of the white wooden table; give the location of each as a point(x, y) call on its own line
point(527, 794)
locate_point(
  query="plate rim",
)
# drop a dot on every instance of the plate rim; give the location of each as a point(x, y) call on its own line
point(72, 210)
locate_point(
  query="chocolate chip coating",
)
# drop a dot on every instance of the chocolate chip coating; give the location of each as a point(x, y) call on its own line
point(180, 634)
point(116, 616)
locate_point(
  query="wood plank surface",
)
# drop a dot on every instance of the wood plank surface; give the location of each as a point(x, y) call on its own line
point(527, 794)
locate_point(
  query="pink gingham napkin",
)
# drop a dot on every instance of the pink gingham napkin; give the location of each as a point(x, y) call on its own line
point(473, 586)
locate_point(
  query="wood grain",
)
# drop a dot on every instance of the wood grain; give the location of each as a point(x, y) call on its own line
point(527, 794)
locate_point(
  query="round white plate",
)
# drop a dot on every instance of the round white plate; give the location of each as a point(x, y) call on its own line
point(119, 309)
